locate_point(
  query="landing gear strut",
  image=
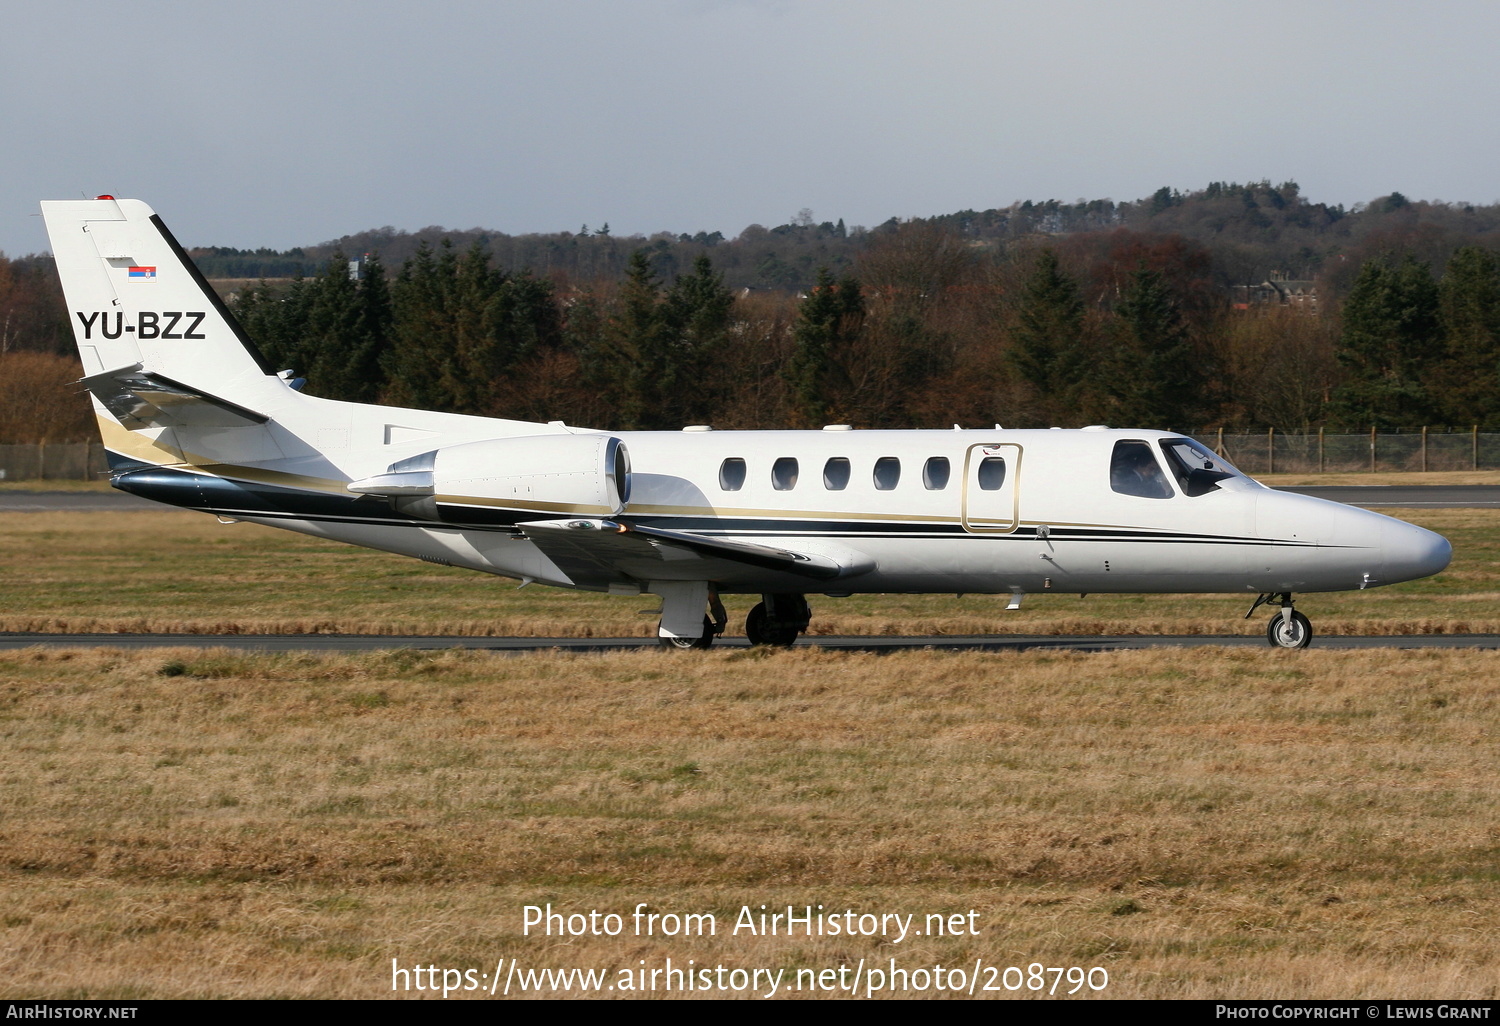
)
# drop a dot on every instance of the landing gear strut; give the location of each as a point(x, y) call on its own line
point(681, 603)
point(1288, 628)
point(777, 620)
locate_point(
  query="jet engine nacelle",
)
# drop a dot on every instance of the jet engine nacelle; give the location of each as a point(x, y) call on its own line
point(563, 473)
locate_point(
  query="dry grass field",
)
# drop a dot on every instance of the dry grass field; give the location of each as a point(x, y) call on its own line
point(1201, 823)
point(51, 485)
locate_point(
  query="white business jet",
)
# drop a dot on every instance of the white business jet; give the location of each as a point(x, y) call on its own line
point(193, 415)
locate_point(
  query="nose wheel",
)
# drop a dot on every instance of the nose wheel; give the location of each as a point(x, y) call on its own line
point(1288, 628)
point(1289, 631)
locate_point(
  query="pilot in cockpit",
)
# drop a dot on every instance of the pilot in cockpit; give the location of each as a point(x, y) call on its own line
point(1134, 471)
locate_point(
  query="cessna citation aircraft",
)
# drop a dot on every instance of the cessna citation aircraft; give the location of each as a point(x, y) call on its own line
point(193, 415)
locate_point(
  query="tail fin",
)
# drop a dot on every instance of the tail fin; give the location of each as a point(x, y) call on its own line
point(134, 297)
point(146, 319)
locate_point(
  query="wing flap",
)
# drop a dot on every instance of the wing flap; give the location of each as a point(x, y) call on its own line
point(609, 544)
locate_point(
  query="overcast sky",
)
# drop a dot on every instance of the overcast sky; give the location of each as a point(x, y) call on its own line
point(283, 123)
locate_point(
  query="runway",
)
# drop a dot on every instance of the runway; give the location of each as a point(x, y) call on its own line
point(879, 645)
point(1408, 496)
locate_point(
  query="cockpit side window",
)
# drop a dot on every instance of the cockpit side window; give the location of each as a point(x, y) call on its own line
point(1133, 470)
point(1197, 470)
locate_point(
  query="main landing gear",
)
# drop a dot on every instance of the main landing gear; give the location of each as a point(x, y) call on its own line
point(1288, 628)
point(776, 620)
point(682, 604)
point(703, 640)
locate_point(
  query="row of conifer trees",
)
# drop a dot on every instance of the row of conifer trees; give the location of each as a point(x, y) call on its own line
point(921, 335)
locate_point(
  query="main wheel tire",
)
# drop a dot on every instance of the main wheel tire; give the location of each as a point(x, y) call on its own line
point(705, 641)
point(1297, 634)
point(760, 633)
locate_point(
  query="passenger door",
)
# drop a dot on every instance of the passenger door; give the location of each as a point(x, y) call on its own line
point(991, 493)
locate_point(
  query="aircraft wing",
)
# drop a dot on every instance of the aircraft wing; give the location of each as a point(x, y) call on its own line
point(594, 546)
point(142, 399)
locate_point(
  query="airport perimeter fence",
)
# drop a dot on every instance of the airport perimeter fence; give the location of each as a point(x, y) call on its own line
point(1267, 452)
point(1416, 449)
point(60, 461)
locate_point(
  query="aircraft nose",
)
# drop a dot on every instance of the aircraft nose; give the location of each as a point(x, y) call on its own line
point(1411, 552)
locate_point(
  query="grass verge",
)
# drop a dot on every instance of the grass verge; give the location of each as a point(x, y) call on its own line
point(1212, 823)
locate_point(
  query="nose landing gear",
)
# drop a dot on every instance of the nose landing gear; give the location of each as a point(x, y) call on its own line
point(1288, 628)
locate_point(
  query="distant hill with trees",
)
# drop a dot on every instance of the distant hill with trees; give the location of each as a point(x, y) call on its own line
point(1250, 230)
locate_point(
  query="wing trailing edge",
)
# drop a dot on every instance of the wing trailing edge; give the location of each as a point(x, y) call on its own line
point(611, 543)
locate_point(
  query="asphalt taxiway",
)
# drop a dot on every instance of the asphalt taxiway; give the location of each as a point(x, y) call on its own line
point(847, 643)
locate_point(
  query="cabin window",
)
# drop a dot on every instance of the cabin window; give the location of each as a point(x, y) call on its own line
point(1197, 470)
point(991, 473)
point(732, 474)
point(935, 474)
point(1134, 471)
point(784, 474)
point(836, 474)
point(887, 473)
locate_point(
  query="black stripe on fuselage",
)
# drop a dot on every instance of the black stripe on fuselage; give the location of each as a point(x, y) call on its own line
point(210, 493)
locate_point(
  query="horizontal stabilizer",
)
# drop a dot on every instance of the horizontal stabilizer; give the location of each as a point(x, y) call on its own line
point(609, 543)
point(141, 399)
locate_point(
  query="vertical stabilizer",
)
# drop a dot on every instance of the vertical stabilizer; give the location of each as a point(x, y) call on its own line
point(161, 354)
point(135, 298)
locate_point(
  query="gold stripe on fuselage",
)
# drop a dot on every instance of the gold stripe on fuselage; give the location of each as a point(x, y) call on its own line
point(120, 439)
point(136, 446)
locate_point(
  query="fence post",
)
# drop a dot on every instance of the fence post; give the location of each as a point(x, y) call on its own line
point(1220, 448)
point(1270, 450)
point(1320, 451)
point(1372, 448)
point(1424, 448)
point(41, 461)
point(1474, 448)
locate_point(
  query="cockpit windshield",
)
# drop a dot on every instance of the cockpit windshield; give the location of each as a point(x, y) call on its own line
point(1197, 470)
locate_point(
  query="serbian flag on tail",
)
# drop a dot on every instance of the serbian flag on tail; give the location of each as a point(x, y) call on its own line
point(143, 274)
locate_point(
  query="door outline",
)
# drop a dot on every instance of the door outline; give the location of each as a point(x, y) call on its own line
point(1012, 453)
